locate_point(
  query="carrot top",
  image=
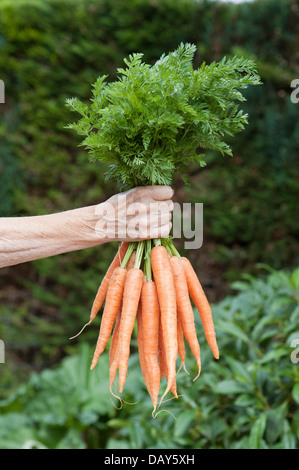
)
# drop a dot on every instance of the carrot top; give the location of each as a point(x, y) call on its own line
point(150, 122)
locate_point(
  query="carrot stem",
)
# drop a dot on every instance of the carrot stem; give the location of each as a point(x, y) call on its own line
point(139, 254)
point(173, 249)
point(147, 261)
point(165, 243)
point(157, 241)
point(128, 254)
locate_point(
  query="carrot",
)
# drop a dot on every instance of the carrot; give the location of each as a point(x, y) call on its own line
point(114, 339)
point(161, 352)
point(199, 298)
point(140, 344)
point(113, 368)
point(112, 306)
point(167, 300)
point(113, 353)
point(114, 349)
point(102, 291)
point(150, 326)
point(131, 297)
point(184, 307)
point(131, 261)
point(162, 362)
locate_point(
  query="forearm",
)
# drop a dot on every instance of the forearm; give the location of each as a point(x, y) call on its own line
point(29, 238)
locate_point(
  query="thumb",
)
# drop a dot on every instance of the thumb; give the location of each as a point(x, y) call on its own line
point(156, 192)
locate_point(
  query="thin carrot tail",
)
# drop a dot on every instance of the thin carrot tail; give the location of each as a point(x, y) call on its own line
point(183, 365)
point(199, 370)
point(113, 372)
point(96, 358)
point(83, 328)
point(212, 342)
point(170, 387)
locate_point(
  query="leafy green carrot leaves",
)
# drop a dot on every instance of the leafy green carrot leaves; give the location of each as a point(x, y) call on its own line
point(155, 120)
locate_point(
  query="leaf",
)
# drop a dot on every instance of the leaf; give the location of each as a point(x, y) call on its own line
point(240, 286)
point(245, 400)
point(257, 431)
point(295, 278)
point(239, 370)
point(183, 422)
point(295, 393)
point(232, 329)
point(289, 441)
point(272, 355)
point(231, 387)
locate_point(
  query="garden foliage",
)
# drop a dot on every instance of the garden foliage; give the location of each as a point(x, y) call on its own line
point(248, 399)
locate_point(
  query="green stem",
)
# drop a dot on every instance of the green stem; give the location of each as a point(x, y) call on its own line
point(157, 241)
point(139, 255)
point(165, 243)
point(173, 249)
point(147, 261)
point(128, 254)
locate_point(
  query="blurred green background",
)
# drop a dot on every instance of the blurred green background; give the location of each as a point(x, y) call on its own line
point(51, 50)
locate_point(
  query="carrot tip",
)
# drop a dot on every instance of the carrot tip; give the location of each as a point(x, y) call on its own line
point(184, 366)
point(197, 376)
point(73, 337)
point(167, 411)
point(116, 396)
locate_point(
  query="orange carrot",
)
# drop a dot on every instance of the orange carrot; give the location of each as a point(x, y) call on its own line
point(114, 349)
point(131, 297)
point(161, 352)
point(162, 361)
point(199, 298)
point(112, 306)
point(113, 352)
point(184, 307)
point(140, 336)
point(181, 344)
point(114, 339)
point(102, 291)
point(167, 300)
point(113, 368)
point(131, 261)
point(150, 327)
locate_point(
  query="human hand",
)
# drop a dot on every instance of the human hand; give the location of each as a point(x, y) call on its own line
point(139, 214)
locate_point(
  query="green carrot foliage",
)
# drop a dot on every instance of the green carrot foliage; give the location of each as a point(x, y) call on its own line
point(155, 120)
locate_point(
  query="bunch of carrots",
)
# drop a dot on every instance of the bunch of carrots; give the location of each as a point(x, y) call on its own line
point(150, 281)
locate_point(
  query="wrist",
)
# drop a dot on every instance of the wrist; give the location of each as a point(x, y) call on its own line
point(81, 225)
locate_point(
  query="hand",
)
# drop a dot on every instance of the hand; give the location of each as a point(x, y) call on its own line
point(139, 214)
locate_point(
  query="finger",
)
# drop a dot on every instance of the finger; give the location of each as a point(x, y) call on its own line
point(160, 232)
point(155, 220)
point(158, 193)
point(161, 207)
point(138, 207)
